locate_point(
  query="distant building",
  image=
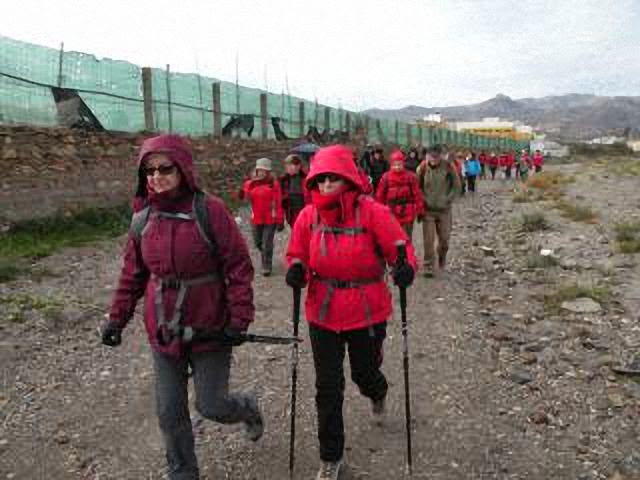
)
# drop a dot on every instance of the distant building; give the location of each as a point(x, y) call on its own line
point(496, 128)
point(608, 140)
point(634, 145)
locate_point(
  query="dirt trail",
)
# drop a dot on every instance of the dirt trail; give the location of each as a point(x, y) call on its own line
point(501, 388)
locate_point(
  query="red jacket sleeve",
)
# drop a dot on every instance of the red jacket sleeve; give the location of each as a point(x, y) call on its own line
point(381, 193)
point(388, 233)
point(236, 264)
point(131, 285)
point(299, 242)
point(277, 193)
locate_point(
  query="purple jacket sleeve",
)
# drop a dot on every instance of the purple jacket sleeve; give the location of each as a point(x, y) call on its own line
point(236, 264)
point(131, 285)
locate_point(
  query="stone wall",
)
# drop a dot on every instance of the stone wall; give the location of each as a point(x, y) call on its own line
point(50, 171)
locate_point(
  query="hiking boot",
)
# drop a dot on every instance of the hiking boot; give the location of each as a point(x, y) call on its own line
point(330, 470)
point(442, 262)
point(254, 426)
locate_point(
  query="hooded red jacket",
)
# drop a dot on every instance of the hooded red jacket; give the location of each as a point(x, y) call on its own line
point(401, 193)
point(175, 248)
point(353, 247)
point(266, 200)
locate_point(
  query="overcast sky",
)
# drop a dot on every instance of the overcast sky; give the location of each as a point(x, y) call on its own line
point(360, 53)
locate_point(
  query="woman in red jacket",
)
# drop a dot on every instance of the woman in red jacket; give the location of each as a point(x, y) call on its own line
point(340, 245)
point(192, 283)
point(399, 190)
point(538, 161)
point(267, 216)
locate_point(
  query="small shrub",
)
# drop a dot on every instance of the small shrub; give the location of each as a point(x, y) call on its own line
point(523, 196)
point(9, 270)
point(575, 212)
point(17, 307)
point(541, 261)
point(43, 237)
point(599, 293)
point(549, 180)
point(534, 222)
point(628, 237)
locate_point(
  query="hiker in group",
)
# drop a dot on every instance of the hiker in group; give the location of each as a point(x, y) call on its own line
point(376, 167)
point(483, 159)
point(494, 163)
point(526, 159)
point(516, 163)
point(294, 197)
point(413, 160)
point(458, 163)
point(507, 163)
point(267, 216)
point(472, 170)
point(399, 190)
point(538, 161)
point(187, 257)
point(524, 166)
point(440, 185)
point(339, 247)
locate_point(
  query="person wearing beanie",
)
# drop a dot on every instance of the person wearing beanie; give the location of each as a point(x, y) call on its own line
point(440, 184)
point(267, 216)
point(294, 197)
point(399, 190)
point(413, 160)
point(339, 249)
point(191, 282)
point(376, 166)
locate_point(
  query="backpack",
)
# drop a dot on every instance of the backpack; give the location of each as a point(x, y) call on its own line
point(199, 213)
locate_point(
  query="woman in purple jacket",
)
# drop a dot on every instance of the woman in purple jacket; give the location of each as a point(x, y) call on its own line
point(187, 257)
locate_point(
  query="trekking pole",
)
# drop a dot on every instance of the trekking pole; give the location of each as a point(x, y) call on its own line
point(294, 379)
point(402, 258)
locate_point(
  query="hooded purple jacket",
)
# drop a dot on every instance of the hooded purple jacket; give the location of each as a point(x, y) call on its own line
point(175, 248)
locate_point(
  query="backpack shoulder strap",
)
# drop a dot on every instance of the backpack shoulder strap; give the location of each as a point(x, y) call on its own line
point(138, 223)
point(201, 214)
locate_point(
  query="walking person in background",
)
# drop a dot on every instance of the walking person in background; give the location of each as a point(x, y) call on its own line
point(192, 282)
point(440, 184)
point(505, 163)
point(376, 167)
point(472, 170)
point(524, 166)
point(267, 216)
point(413, 160)
point(484, 160)
point(538, 161)
point(399, 190)
point(294, 197)
point(340, 246)
point(494, 163)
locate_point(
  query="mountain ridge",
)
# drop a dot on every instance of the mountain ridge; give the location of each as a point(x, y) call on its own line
point(573, 116)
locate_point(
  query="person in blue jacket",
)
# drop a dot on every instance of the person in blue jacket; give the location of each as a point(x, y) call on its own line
point(472, 170)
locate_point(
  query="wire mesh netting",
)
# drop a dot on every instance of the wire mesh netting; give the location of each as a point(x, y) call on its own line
point(112, 93)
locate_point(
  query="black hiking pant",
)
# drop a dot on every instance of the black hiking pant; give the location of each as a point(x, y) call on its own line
point(507, 173)
point(213, 401)
point(263, 238)
point(471, 183)
point(493, 172)
point(365, 358)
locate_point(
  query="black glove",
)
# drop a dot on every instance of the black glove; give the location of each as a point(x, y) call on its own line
point(111, 335)
point(233, 336)
point(296, 276)
point(280, 227)
point(402, 274)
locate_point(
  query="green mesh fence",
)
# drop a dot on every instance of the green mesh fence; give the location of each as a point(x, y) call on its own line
point(182, 102)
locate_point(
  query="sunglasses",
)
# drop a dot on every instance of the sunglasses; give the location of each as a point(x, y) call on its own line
point(161, 169)
point(324, 176)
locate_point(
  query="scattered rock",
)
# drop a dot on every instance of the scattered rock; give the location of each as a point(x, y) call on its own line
point(488, 251)
point(582, 305)
point(521, 377)
point(539, 417)
point(568, 263)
